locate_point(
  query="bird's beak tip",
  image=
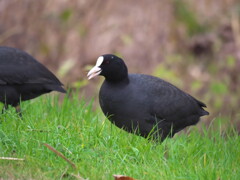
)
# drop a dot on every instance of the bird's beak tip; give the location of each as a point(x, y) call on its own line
point(95, 71)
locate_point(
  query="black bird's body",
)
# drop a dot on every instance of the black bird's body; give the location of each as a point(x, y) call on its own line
point(164, 107)
point(23, 78)
point(144, 104)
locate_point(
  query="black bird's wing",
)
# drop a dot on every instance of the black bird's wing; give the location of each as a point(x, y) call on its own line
point(170, 104)
point(18, 67)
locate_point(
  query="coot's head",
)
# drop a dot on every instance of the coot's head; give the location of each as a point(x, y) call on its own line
point(111, 67)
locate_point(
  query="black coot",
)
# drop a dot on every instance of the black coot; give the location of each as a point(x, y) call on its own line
point(143, 104)
point(22, 78)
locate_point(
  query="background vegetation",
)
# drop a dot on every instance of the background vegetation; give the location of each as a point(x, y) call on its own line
point(193, 44)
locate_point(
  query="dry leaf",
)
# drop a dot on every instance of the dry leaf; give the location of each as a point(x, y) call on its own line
point(11, 158)
point(122, 177)
point(60, 155)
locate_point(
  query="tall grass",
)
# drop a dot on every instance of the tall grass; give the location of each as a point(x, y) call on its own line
point(99, 149)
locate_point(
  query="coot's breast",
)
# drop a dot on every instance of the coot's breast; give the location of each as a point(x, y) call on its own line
point(126, 105)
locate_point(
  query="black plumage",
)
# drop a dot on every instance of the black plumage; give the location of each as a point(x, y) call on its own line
point(143, 104)
point(22, 78)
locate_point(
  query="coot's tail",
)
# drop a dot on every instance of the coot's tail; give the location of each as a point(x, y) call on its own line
point(55, 87)
point(203, 112)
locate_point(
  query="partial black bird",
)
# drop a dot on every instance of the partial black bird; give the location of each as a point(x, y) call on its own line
point(143, 104)
point(22, 78)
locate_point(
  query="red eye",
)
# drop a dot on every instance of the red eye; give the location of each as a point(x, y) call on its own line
point(107, 62)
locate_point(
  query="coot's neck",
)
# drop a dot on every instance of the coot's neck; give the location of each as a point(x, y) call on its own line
point(117, 79)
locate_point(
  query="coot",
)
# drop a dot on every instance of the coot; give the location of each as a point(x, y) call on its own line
point(22, 78)
point(143, 104)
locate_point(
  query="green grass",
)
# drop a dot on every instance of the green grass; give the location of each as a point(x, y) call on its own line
point(99, 149)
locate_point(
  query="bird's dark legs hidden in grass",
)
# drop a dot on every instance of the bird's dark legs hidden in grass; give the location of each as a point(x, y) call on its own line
point(5, 107)
point(17, 107)
point(18, 110)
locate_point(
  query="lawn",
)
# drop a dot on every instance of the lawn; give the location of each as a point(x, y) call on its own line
point(98, 149)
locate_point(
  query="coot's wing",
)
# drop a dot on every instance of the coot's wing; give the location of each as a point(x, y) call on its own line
point(170, 103)
point(18, 67)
